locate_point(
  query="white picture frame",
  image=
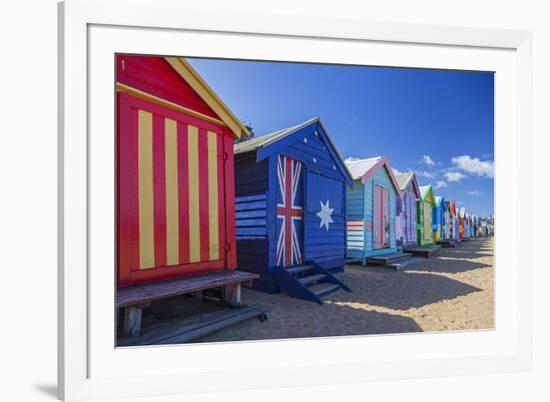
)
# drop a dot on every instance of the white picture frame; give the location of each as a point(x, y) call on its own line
point(90, 367)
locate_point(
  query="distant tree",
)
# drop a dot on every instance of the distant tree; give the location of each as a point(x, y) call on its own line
point(244, 138)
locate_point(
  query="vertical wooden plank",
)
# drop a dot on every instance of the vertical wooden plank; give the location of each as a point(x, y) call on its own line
point(412, 217)
point(231, 256)
point(193, 171)
point(214, 245)
point(172, 212)
point(146, 208)
point(183, 193)
point(427, 222)
point(159, 190)
point(385, 218)
point(221, 196)
point(377, 218)
point(203, 196)
point(271, 210)
point(127, 196)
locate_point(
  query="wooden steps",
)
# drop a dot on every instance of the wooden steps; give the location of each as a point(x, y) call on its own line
point(395, 261)
point(424, 251)
point(132, 299)
point(185, 330)
point(300, 269)
point(307, 282)
point(385, 259)
point(447, 243)
point(322, 289)
point(399, 265)
point(311, 278)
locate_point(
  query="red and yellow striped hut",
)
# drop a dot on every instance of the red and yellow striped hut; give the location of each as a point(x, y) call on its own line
point(175, 172)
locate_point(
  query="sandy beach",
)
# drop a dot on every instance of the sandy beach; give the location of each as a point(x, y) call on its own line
point(453, 290)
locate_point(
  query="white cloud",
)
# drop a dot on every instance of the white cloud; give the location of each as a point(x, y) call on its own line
point(427, 175)
point(427, 160)
point(351, 159)
point(474, 165)
point(475, 192)
point(440, 184)
point(454, 176)
point(397, 171)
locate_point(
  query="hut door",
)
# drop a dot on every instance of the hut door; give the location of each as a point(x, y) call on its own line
point(171, 211)
point(290, 212)
point(324, 219)
point(428, 236)
point(381, 219)
point(411, 211)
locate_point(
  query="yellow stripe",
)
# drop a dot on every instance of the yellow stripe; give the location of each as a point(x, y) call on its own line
point(193, 165)
point(213, 195)
point(172, 216)
point(145, 171)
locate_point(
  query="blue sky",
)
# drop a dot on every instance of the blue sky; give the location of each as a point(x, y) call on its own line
point(436, 123)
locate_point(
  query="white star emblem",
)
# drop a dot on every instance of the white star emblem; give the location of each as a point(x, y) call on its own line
point(325, 214)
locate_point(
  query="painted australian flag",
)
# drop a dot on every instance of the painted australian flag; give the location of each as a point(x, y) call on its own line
point(290, 212)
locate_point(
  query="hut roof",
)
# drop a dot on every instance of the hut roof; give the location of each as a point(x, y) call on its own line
point(199, 85)
point(364, 169)
point(264, 140)
point(404, 179)
point(269, 144)
point(427, 193)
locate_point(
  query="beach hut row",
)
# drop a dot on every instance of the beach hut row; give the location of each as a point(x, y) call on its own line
point(199, 208)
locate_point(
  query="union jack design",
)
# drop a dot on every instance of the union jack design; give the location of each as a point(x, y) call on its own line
point(288, 243)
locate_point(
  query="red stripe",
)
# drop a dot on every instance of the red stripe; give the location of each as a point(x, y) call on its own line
point(221, 220)
point(183, 189)
point(203, 195)
point(288, 209)
point(128, 215)
point(159, 190)
point(229, 182)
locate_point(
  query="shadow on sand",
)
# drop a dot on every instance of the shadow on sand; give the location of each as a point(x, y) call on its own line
point(400, 290)
point(293, 318)
point(447, 265)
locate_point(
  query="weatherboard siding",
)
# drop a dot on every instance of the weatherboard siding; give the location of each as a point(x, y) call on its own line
point(355, 212)
point(250, 176)
point(251, 215)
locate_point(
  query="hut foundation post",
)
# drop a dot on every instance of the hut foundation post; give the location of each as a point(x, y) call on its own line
point(233, 295)
point(132, 321)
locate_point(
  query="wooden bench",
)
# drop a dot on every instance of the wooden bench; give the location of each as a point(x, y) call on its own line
point(133, 298)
